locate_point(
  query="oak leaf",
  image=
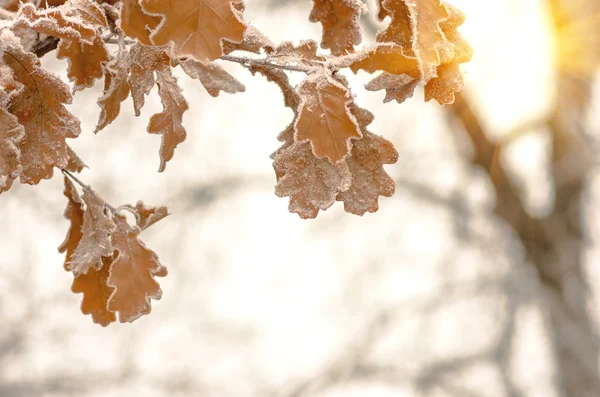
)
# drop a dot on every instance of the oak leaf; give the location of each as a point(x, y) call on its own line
point(57, 22)
point(39, 107)
point(397, 87)
point(369, 179)
point(96, 293)
point(85, 60)
point(429, 44)
point(324, 118)
point(213, 77)
point(341, 31)
point(254, 41)
point(74, 213)
point(97, 229)
point(195, 28)
point(168, 123)
point(136, 23)
point(388, 58)
point(132, 274)
point(449, 79)
point(311, 183)
point(146, 216)
point(11, 133)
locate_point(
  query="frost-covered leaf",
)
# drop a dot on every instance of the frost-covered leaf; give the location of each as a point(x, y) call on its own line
point(254, 41)
point(136, 23)
point(131, 71)
point(396, 87)
point(132, 274)
point(85, 60)
point(196, 28)
point(449, 79)
point(96, 293)
point(146, 216)
point(145, 61)
point(387, 58)
point(74, 213)
point(98, 226)
point(213, 77)
point(369, 179)
point(279, 77)
point(11, 133)
point(324, 118)
point(55, 22)
point(75, 163)
point(168, 123)
point(429, 44)
point(341, 31)
point(312, 184)
point(39, 107)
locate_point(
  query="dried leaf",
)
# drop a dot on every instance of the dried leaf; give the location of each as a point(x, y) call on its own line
point(130, 71)
point(147, 216)
point(11, 134)
point(98, 227)
point(369, 179)
point(96, 293)
point(254, 41)
point(132, 274)
point(428, 42)
point(341, 31)
point(449, 80)
point(168, 123)
point(279, 77)
point(75, 163)
point(324, 118)
point(213, 77)
point(74, 213)
point(85, 60)
point(196, 28)
point(145, 61)
point(397, 88)
point(387, 58)
point(136, 23)
point(39, 107)
point(55, 22)
point(311, 183)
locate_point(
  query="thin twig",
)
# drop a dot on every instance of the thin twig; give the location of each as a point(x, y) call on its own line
point(74, 178)
point(248, 62)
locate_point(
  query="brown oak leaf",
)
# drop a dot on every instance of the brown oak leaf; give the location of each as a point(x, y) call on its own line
point(136, 23)
point(397, 87)
point(39, 107)
point(429, 44)
point(388, 58)
point(146, 216)
point(74, 213)
point(98, 227)
point(341, 31)
point(369, 179)
point(449, 79)
point(85, 60)
point(324, 118)
point(312, 184)
point(11, 133)
point(213, 77)
point(132, 274)
point(254, 41)
point(196, 28)
point(57, 22)
point(75, 163)
point(168, 123)
point(96, 293)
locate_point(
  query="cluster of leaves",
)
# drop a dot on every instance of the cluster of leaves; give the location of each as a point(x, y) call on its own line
point(327, 153)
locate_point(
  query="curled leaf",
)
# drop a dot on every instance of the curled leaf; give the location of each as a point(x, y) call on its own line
point(341, 31)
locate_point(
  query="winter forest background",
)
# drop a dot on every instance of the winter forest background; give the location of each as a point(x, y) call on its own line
point(479, 278)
